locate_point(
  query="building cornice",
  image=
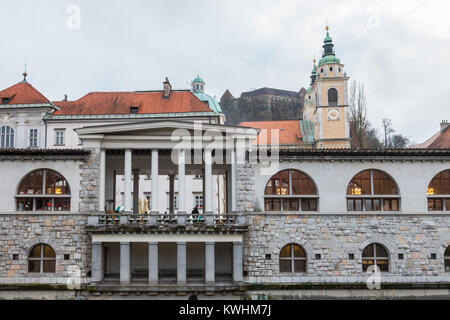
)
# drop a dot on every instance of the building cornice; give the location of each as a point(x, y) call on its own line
point(12, 154)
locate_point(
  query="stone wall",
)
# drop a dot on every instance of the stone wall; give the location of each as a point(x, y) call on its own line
point(335, 236)
point(65, 233)
point(90, 182)
point(245, 183)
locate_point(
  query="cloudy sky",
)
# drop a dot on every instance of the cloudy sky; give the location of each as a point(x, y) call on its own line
point(398, 49)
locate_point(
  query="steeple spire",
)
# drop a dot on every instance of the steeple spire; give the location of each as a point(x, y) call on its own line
point(328, 44)
point(25, 72)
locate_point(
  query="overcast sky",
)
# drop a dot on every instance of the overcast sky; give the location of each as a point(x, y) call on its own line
point(398, 49)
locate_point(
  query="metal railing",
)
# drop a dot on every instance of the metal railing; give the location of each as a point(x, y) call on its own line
point(166, 220)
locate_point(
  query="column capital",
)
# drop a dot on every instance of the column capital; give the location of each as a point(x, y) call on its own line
point(125, 243)
point(181, 243)
point(153, 243)
point(210, 243)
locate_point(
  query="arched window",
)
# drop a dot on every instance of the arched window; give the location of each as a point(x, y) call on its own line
point(372, 190)
point(292, 259)
point(447, 259)
point(375, 254)
point(43, 190)
point(42, 259)
point(6, 137)
point(290, 190)
point(438, 192)
point(332, 97)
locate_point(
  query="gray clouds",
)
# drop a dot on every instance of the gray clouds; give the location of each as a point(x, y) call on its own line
point(397, 48)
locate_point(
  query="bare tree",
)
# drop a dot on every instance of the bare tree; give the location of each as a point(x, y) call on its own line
point(358, 114)
point(399, 141)
point(388, 130)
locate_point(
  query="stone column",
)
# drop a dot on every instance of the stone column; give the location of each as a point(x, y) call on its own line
point(237, 262)
point(181, 263)
point(153, 263)
point(136, 191)
point(127, 178)
point(233, 180)
point(155, 173)
point(102, 192)
point(209, 263)
point(208, 190)
point(125, 262)
point(171, 192)
point(181, 182)
point(97, 262)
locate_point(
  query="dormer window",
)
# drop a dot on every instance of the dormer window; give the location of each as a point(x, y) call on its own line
point(6, 100)
point(134, 110)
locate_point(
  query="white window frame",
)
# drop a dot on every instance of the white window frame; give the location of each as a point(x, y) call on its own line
point(195, 195)
point(7, 134)
point(60, 139)
point(33, 138)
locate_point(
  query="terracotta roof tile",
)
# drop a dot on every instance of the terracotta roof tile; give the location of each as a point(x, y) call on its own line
point(440, 140)
point(23, 93)
point(97, 103)
point(288, 130)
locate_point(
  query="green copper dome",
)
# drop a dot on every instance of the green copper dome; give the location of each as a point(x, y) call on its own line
point(329, 59)
point(198, 79)
point(309, 90)
point(212, 103)
point(327, 38)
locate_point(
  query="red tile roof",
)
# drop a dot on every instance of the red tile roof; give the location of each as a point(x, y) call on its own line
point(288, 131)
point(97, 103)
point(23, 93)
point(441, 140)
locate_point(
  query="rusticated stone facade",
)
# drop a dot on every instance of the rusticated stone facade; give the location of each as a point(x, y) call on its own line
point(335, 237)
point(245, 184)
point(90, 182)
point(65, 233)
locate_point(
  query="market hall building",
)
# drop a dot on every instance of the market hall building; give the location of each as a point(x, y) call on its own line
point(301, 211)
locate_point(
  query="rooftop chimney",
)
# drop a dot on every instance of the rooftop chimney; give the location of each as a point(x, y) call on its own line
point(167, 88)
point(444, 125)
point(65, 97)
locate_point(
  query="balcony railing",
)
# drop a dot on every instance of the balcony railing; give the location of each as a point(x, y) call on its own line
point(166, 220)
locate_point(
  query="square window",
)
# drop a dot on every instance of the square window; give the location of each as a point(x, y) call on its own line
point(400, 256)
point(318, 256)
point(67, 257)
point(351, 256)
point(15, 257)
point(268, 256)
point(433, 256)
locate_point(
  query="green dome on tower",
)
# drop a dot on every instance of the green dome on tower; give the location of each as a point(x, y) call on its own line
point(328, 51)
point(198, 89)
point(198, 79)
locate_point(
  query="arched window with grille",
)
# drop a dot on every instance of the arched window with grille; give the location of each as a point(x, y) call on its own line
point(290, 190)
point(375, 254)
point(42, 259)
point(438, 192)
point(6, 137)
point(43, 190)
point(292, 259)
point(372, 190)
point(447, 259)
point(332, 97)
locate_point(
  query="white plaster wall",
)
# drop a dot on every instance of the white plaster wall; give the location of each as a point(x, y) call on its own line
point(12, 172)
point(22, 121)
point(332, 179)
point(71, 137)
